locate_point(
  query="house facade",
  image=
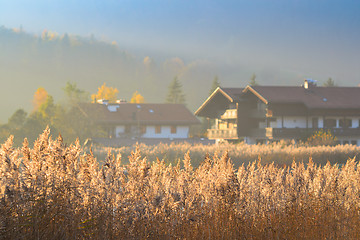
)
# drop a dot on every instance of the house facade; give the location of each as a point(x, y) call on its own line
point(151, 121)
point(259, 114)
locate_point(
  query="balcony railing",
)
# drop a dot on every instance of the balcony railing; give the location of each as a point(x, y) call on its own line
point(222, 133)
point(229, 114)
point(303, 132)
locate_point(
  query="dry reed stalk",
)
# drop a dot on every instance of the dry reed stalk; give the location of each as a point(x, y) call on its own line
point(54, 191)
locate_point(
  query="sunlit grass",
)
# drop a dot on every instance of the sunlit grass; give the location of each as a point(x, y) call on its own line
point(54, 191)
point(280, 153)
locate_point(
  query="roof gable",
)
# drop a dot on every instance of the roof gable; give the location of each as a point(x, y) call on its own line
point(219, 99)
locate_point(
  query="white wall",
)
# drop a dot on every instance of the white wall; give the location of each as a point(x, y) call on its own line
point(274, 124)
point(349, 140)
point(355, 122)
point(293, 122)
point(113, 108)
point(181, 132)
point(119, 130)
point(300, 122)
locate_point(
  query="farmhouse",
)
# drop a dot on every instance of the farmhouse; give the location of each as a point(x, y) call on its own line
point(269, 113)
point(146, 120)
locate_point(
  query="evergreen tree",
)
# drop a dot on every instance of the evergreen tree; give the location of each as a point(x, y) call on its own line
point(215, 85)
point(253, 80)
point(329, 83)
point(17, 120)
point(74, 94)
point(175, 92)
point(47, 109)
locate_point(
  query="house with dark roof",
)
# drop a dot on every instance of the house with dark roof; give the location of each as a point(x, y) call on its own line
point(145, 120)
point(269, 113)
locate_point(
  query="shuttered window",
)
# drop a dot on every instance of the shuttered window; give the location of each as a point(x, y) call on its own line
point(157, 129)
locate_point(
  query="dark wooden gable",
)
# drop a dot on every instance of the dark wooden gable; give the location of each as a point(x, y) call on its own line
point(215, 105)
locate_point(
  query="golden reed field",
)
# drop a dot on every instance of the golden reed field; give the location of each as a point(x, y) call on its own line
point(282, 153)
point(55, 191)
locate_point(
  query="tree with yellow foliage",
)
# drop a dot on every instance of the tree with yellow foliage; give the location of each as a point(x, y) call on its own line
point(137, 98)
point(104, 92)
point(40, 97)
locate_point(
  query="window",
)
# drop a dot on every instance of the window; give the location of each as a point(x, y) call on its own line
point(173, 129)
point(345, 142)
point(143, 129)
point(315, 123)
point(353, 142)
point(330, 123)
point(271, 122)
point(345, 123)
point(157, 129)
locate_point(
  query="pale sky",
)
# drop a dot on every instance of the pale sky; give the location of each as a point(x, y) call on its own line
point(315, 38)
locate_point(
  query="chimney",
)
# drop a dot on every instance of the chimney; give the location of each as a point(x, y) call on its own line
point(309, 83)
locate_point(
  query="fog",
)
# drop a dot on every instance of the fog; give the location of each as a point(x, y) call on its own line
point(143, 45)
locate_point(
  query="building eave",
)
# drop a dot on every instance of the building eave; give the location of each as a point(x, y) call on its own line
point(252, 90)
point(217, 90)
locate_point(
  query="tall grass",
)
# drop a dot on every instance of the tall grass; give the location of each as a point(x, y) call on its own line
point(54, 191)
point(279, 153)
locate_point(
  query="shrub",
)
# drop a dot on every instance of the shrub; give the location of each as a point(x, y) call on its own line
point(322, 137)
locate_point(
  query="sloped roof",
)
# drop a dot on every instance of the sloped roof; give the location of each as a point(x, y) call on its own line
point(144, 113)
point(314, 97)
point(229, 94)
point(233, 93)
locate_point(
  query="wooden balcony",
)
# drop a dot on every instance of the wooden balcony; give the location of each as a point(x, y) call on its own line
point(261, 113)
point(303, 132)
point(222, 134)
point(229, 114)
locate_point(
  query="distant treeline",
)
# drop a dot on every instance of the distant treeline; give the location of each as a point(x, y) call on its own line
point(49, 60)
point(65, 118)
point(69, 118)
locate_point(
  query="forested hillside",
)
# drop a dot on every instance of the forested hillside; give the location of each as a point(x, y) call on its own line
point(49, 60)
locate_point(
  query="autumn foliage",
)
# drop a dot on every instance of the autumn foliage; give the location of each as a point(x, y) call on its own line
point(137, 98)
point(58, 191)
point(40, 97)
point(322, 137)
point(105, 92)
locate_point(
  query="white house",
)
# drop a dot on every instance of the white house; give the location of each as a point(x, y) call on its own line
point(270, 113)
point(145, 120)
